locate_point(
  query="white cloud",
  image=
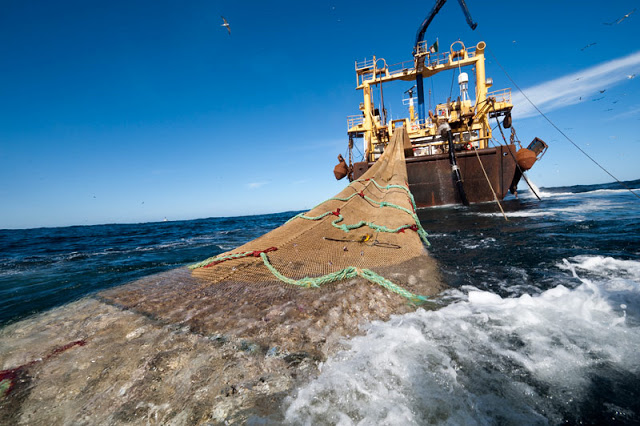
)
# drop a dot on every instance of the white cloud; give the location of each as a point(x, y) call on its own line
point(256, 185)
point(567, 90)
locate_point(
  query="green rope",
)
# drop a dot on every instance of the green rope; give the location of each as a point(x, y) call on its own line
point(421, 232)
point(218, 259)
point(302, 215)
point(343, 274)
point(404, 188)
point(351, 271)
point(346, 228)
point(380, 228)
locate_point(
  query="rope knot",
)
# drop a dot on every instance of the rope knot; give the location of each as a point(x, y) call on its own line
point(308, 283)
point(361, 193)
point(336, 213)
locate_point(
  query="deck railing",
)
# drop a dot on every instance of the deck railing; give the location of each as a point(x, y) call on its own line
point(364, 64)
point(354, 120)
point(401, 67)
point(502, 95)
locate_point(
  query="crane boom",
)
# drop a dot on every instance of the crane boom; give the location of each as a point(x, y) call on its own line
point(420, 35)
point(436, 8)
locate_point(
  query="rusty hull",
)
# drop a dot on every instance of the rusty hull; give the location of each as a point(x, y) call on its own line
point(431, 181)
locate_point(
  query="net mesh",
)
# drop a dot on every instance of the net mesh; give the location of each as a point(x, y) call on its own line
point(226, 341)
point(368, 227)
point(362, 251)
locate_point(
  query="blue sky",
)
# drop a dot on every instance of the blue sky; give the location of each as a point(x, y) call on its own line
point(140, 110)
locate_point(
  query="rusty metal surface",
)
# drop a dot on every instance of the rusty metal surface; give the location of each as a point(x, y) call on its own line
point(431, 180)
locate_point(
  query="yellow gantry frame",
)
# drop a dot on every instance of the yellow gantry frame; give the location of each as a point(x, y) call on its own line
point(427, 64)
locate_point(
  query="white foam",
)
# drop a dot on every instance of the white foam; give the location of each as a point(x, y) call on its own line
point(518, 214)
point(484, 358)
point(547, 194)
point(611, 191)
point(483, 243)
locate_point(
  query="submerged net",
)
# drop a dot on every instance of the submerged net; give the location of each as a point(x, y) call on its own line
point(227, 341)
point(366, 244)
point(364, 247)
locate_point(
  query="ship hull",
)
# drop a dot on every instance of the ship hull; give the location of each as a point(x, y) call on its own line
point(432, 183)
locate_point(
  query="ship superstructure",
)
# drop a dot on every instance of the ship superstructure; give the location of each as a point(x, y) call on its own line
point(451, 153)
point(468, 119)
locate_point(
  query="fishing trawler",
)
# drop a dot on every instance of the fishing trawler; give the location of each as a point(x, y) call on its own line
point(451, 154)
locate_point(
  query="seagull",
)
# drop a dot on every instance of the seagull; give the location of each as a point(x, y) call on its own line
point(588, 45)
point(631, 77)
point(226, 24)
point(602, 91)
point(621, 19)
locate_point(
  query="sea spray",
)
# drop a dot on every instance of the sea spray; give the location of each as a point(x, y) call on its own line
point(486, 359)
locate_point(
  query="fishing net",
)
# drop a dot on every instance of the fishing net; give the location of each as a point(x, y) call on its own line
point(228, 339)
point(370, 226)
point(366, 236)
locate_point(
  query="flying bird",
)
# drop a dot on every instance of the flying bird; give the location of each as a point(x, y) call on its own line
point(631, 77)
point(587, 46)
point(226, 24)
point(621, 19)
point(603, 90)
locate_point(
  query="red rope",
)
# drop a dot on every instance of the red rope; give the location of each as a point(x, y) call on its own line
point(412, 227)
point(12, 374)
point(256, 253)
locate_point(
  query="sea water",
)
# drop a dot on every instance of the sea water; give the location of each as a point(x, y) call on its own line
point(541, 324)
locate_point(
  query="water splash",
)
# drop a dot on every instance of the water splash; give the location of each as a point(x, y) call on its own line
point(562, 355)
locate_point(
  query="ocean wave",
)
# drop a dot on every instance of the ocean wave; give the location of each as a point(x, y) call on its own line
point(528, 195)
point(533, 213)
point(526, 359)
